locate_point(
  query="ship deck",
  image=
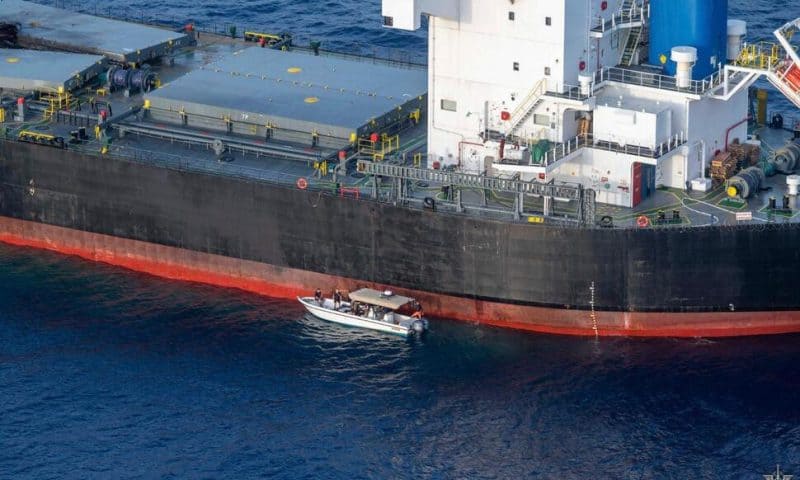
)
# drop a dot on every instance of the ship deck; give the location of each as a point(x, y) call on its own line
point(47, 71)
point(283, 161)
point(45, 26)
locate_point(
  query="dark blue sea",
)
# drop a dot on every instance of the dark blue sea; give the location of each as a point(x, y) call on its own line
point(106, 373)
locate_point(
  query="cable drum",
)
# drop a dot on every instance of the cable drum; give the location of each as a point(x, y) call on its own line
point(787, 159)
point(119, 78)
point(747, 183)
point(142, 79)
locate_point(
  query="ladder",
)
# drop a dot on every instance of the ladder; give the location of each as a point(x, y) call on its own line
point(56, 101)
point(627, 6)
point(631, 46)
point(527, 107)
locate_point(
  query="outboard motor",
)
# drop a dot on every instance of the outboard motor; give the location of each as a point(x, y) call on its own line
point(418, 327)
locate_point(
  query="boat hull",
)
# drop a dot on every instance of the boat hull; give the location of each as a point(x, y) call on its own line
point(351, 320)
point(284, 242)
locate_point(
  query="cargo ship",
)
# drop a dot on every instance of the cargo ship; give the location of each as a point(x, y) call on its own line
point(571, 167)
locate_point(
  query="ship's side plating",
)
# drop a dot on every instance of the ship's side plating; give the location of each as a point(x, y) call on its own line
point(144, 194)
point(474, 264)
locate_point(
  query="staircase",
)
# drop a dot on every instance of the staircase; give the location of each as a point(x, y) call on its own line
point(630, 13)
point(526, 107)
point(631, 46)
point(56, 101)
point(627, 6)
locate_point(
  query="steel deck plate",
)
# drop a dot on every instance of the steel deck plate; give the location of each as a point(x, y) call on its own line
point(47, 71)
point(77, 32)
point(294, 90)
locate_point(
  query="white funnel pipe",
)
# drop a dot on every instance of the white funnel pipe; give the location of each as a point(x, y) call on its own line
point(737, 29)
point(685, 57)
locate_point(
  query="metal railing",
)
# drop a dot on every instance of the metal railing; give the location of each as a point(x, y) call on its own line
point(656, 80)
point(623, 18)
point(525, 107)
point(563, 150)
point(467, 180)
point(658, 151)
point(761, 56)
point(571, 92)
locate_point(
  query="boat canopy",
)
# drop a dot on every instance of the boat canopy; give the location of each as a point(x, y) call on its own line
point(381, 299)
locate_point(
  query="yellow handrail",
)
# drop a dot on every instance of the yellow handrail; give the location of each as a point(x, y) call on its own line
point(763, 56)
point(536, 92)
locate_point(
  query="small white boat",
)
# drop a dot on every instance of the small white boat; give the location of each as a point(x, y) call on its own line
point(371, 309)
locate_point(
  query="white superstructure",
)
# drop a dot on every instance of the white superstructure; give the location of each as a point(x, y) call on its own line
point(555, 90)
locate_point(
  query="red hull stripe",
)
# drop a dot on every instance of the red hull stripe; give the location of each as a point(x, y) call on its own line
point(186, 265)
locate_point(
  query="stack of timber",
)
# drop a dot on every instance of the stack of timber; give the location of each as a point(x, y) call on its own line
point(723, 166)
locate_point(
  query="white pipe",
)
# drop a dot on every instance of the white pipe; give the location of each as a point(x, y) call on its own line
point(702, 144)
point(737, 29)
point(685, 58)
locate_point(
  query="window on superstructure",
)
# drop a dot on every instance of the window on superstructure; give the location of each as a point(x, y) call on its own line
point(541, 120)
point(516, 66)
point(388, 21)
point(511, 16)
point(548, 21)
point(547, 71)
point(449, 105)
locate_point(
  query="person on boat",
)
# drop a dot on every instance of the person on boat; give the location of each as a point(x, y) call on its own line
point(318, 297)
point(418, 310)
point(337, 299)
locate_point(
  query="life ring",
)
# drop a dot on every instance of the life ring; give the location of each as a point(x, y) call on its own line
point(302, 183)
point(643, 221)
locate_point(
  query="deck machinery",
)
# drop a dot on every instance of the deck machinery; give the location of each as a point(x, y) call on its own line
point(642, 99)
point(571, 166)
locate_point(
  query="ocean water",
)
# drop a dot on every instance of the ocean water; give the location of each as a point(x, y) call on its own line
point(106, 373)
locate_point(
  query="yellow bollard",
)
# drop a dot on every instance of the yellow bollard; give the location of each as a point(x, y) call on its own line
point(761, 106)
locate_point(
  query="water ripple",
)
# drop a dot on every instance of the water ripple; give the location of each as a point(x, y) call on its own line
point(106, 373)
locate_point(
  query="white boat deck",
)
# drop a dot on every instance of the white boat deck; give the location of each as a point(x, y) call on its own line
point(389, 322)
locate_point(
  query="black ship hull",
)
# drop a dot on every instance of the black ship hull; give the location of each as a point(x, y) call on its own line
point(283, 241)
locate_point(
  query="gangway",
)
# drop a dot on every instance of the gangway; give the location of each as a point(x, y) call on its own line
point(778, 62)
